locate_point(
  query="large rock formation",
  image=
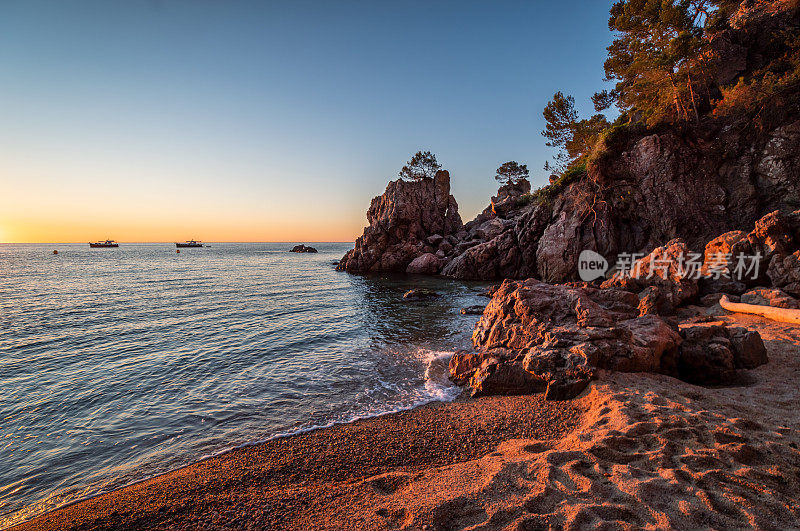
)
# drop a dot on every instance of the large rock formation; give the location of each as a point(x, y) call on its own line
point(535, 336)
point(409, 220)
point(643, 186)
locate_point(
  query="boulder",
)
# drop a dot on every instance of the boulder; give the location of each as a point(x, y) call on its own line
point(749, 351)
point(784, 272)
point(426, 264)
point(712, 354)
point(497, 258)
point(665, 268)
point(769, 297)
point(706, 355)
point(653, 301)
point(473, 310)
point(497, 378)
point(463, 364)
point(434, 240)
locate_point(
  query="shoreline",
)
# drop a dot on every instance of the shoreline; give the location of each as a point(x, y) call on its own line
point(642, 449)
point(439, 434)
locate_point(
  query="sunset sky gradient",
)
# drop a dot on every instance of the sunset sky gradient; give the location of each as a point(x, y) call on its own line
point(248, 121)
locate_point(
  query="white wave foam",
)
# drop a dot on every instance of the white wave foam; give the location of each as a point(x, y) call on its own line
point(436, 388)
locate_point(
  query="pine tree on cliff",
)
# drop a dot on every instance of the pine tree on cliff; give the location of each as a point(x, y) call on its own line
point(423, 165)
point(511, 172)
point(659, 57)
point(573, 138)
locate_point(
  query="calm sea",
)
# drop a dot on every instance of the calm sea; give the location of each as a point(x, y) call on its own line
point(118, 364)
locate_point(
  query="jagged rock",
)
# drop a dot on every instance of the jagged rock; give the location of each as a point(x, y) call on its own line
point(498, 258)
point(642, 187)
point(489, 292)
point(489, 229)
point(420, 293)
point(496, 378)
point(771, 238)
point(435, 240)
point(404, 216)
point(560, 335)
point(653, 301)
point(463, 364)
point(426, 264)
point(302, 249)
point(663, 268)
point(507, 199)
point(718, 264)
point(769, 297)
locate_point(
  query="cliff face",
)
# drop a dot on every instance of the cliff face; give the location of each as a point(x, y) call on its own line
point(692, 186)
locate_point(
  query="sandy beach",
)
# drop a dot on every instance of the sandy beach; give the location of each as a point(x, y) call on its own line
point(635, 451)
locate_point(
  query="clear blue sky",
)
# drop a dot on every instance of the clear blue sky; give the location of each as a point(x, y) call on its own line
point(242, 121)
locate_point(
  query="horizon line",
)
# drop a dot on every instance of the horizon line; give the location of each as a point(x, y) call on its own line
point(173, 242)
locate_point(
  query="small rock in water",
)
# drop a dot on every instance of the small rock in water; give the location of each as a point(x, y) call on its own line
point(473, 310)
point(303, 249)
point(420, 293)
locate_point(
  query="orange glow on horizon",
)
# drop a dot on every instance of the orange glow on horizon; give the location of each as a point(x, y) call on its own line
point(171, 230)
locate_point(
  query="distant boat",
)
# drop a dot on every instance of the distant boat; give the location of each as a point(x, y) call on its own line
point(107, 243)
point(189, 243)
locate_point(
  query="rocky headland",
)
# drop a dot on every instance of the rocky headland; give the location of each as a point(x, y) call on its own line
point(686, 204)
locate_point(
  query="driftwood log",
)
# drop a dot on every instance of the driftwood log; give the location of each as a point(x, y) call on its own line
point(783, 315)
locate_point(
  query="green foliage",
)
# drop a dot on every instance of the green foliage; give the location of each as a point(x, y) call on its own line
point(763, 90)
point(546, 194)
point(423, 165)
point(572, 137)
point(512, 172)
point(604, 100)
point(660, 56)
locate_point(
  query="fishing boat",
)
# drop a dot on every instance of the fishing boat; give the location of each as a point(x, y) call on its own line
point(107, 243)
point(189, 243)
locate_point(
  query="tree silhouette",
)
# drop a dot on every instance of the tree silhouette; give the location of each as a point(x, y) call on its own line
point(423, 165)
point(511, 172)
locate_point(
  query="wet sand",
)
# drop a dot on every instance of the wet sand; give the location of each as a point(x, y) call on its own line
point(634, 451)
point(312, 480)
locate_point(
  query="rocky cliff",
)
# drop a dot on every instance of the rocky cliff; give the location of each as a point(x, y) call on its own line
point(410, 222)
point(641, 188)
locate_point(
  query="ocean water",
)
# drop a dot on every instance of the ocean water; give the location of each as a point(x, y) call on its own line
point(118, 364)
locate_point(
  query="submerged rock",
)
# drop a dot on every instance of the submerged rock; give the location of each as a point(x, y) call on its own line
point(420, 293)
point(473, 310)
